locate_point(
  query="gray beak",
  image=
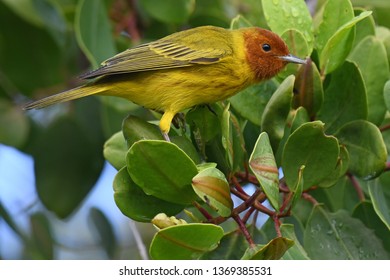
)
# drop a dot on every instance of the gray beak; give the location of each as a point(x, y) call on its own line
point(292, 59)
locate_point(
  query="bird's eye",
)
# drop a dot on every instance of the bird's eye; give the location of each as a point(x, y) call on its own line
point(266, 47)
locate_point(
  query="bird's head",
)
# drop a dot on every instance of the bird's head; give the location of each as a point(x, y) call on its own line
point(267, 53)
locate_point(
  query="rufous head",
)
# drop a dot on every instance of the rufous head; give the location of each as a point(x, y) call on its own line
point(267, 53)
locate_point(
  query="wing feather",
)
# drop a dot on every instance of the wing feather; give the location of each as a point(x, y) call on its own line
point(181, 49)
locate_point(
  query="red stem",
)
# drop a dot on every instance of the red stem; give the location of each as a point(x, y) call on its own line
point(356, 186)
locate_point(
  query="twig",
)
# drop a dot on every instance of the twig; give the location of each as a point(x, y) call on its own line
point(138, 241)
point(356, 186)
point(203, 211)
point(243, 229)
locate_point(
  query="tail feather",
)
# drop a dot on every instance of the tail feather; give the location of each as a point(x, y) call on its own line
point(72, 94)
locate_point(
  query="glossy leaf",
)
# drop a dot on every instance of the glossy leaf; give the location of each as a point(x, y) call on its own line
point(363, 140)
point(298, 46)
point(274, 250)
point(204, 123)
point(296, 252)
point(135, 203)
point(371, 58)
point(381, 206)
point(339, 45)
point(163, 170)
point(308, 89)
point(283, 14)
point(301, 117)
point(335, 14)
point(386, 94)
point(227, 135)
point(135, 129)
point(365, 212)
point(212, 187)
point(340, 170)
point(339, 236)
point(308, 146)
point(115, 150)
point(231, 247)
point(91, 19)
point(263, 165)
point(344, 99)
point(364, 28)
point(185, 242)
point(277, 110)
point(251, 102)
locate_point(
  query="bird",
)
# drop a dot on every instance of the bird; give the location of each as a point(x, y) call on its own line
point(197, 66)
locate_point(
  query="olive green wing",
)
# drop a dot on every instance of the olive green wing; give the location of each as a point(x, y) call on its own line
point(182, 49)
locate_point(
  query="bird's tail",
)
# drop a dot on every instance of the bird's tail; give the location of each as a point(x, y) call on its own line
point(72, 94)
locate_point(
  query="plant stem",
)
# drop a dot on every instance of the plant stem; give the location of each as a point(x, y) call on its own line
point(309, 198)
point(243, 229)
point(356, 186)
point(203, 211)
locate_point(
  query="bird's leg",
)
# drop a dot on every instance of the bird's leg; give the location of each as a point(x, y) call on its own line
point(165, 123)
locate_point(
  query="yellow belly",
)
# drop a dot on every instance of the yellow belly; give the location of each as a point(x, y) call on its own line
point(178, 89)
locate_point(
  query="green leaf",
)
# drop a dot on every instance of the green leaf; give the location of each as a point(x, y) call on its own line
point(344, 99)
point(274, 250)
point(135, 129)
point(169, 11)
point(335, 14)
point(240, 22)
point(363, 140)
point(263, 165)
point(296, 252)
point(308, 146)
point(41, 245)
point(251, 102)
point(104, 231)
point(365, 212)
point(386, 94)
point(212, 187)
point(204, 123)
point(301, 117)
point(276, 112)
point(185, 242)
point(20, 73)
point(115, 150)
point(227, 135)
point(231, 247)
point(339, 45)
point(340, 170)
point(371, 58)
point(297, 46)
point(16, 134)
point(364, 28)
point(282, 15)
point(93, 31)
point(308, 89)
point(339, 236)
point(135, 203)
point(163, 170)
point(379, 202)
point(66, 166)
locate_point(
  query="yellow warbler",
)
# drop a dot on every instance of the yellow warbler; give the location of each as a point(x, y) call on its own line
point(196, 66)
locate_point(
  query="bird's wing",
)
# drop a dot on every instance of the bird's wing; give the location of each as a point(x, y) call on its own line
point(165, 53)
